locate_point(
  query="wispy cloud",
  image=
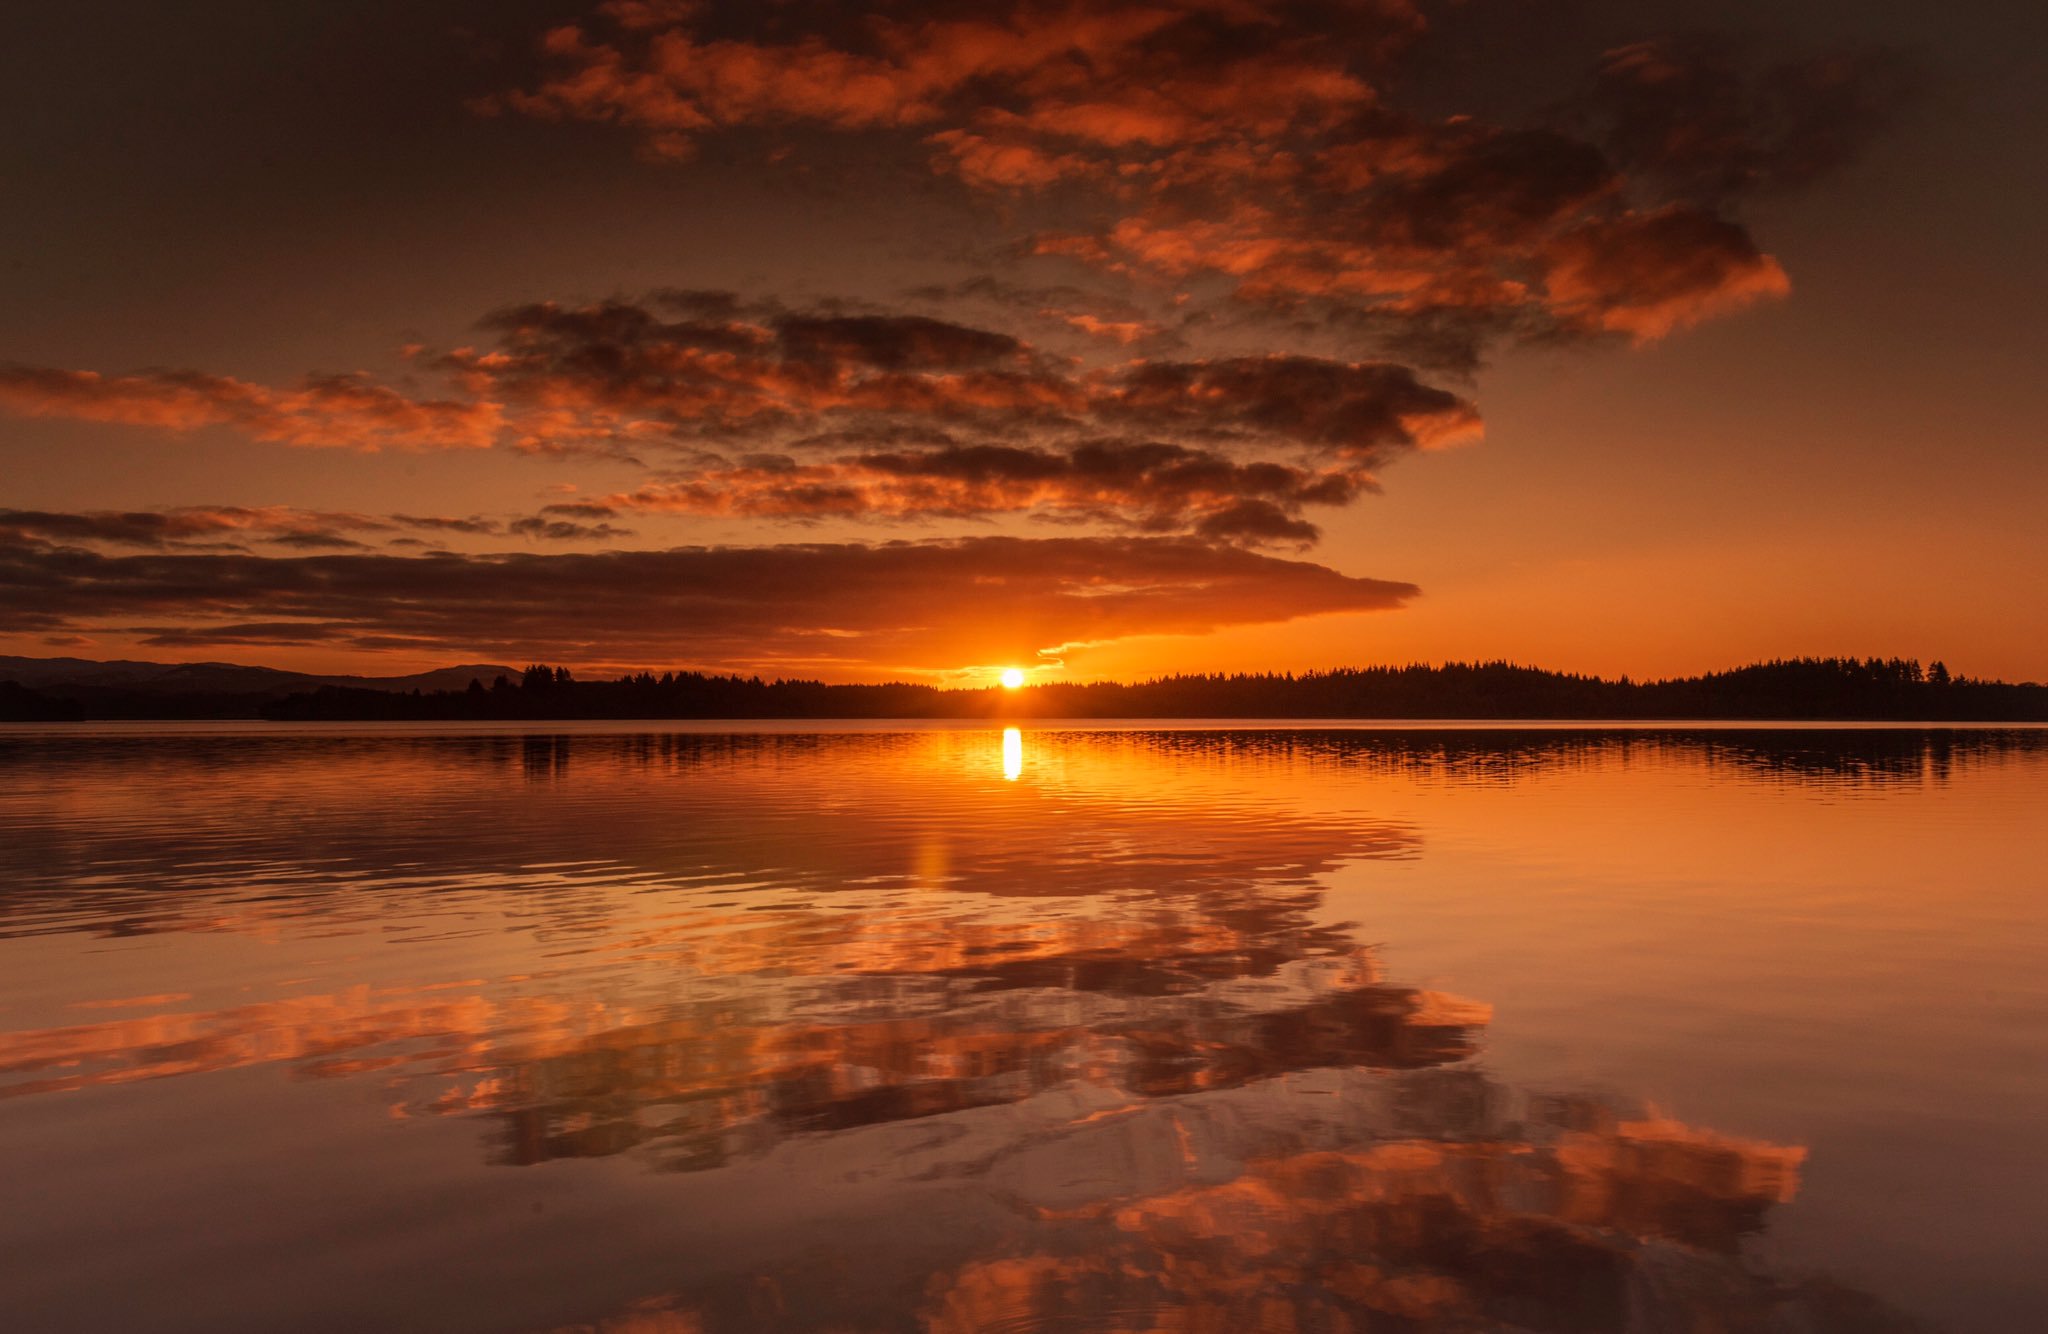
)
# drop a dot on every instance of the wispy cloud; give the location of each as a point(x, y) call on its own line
point(345, 411)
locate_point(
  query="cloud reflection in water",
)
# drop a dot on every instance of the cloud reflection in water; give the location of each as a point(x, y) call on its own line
point(1096, 1002)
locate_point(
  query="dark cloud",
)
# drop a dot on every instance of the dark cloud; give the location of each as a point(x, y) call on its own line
point(290, 633)
point(1263, 144)
point(1645, 274)
point(1004, 293)
point(564, 530)
point(899, 605)
point(191, 525)
point(1702, 116)
point(901, 417)
point(346, 411)
point(579, 509)
point(318, 541)
point(1253, 159)
point(906, 416)
point(1016, 83)
point(617, 374)
point(1065, 309)
point(1364, 410)
point(1256, 523)
point(1149, 486)
point(894, 343)
point(474, 524)
point(1433, 240)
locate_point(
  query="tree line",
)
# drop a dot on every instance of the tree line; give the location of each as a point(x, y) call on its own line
point(1840, 689)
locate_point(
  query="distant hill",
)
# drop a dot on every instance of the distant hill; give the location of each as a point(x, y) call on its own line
point(184, 678)
point(129, 689)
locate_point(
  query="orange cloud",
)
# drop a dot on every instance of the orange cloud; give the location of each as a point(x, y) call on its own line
point(1152, 487)
point(346, 411)
point(859, 416)
point(1125, 332)
point(1254, 141)
point(1646, 275)
point(665, 81)
point(897, 605)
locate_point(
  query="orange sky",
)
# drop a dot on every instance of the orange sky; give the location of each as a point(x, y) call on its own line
point(1104, 340)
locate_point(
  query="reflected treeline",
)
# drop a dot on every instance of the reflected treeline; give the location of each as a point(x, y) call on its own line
point(1846, 756)
point(1877, 753)
point(1431, 1200)
point(553, 832)
point(1833, 755)
point(165, 833)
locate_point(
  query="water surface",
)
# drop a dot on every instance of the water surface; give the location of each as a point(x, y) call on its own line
point(1144, 1029)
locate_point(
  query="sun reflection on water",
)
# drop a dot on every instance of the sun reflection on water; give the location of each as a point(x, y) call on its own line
point(1013, 753)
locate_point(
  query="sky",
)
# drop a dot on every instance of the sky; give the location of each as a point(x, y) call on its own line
point(918, 340)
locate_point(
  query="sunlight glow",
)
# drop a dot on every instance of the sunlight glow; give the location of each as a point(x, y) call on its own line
point(1013, 753)
point(1012, 677)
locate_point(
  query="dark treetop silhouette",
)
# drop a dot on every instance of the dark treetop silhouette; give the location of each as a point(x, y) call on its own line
point(1808, 688)
point(1828, 688)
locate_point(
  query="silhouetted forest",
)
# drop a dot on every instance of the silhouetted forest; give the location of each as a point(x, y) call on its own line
point(19, 704)
point(1805, 688)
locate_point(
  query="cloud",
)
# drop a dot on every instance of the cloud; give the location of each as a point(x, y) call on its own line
point(1646, 274)
point(1125, 332)
point(911, 606)
point(1149, 486)
point(475, 525)
point(893, 416)
point(319, 542)
point(189, 524)
point(580, 509)
point(1363, 410)
point(565, 530)
point(1264, 144)
point(1257, 155)
point(347, 411)
point(1707, 119)
point(618, 374)
point(1237, 65)
point(1435, 241)
point(893, 343)
point(230, 527)
point(617, 371)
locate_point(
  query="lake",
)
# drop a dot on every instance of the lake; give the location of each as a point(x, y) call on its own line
point(681, 1029)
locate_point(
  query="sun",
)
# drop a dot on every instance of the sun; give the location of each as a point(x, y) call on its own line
point(1012, 677)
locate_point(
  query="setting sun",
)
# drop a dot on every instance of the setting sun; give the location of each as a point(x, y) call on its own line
point(1012, 677)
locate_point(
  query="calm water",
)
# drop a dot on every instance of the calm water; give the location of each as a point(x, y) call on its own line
point(1134, 1030)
